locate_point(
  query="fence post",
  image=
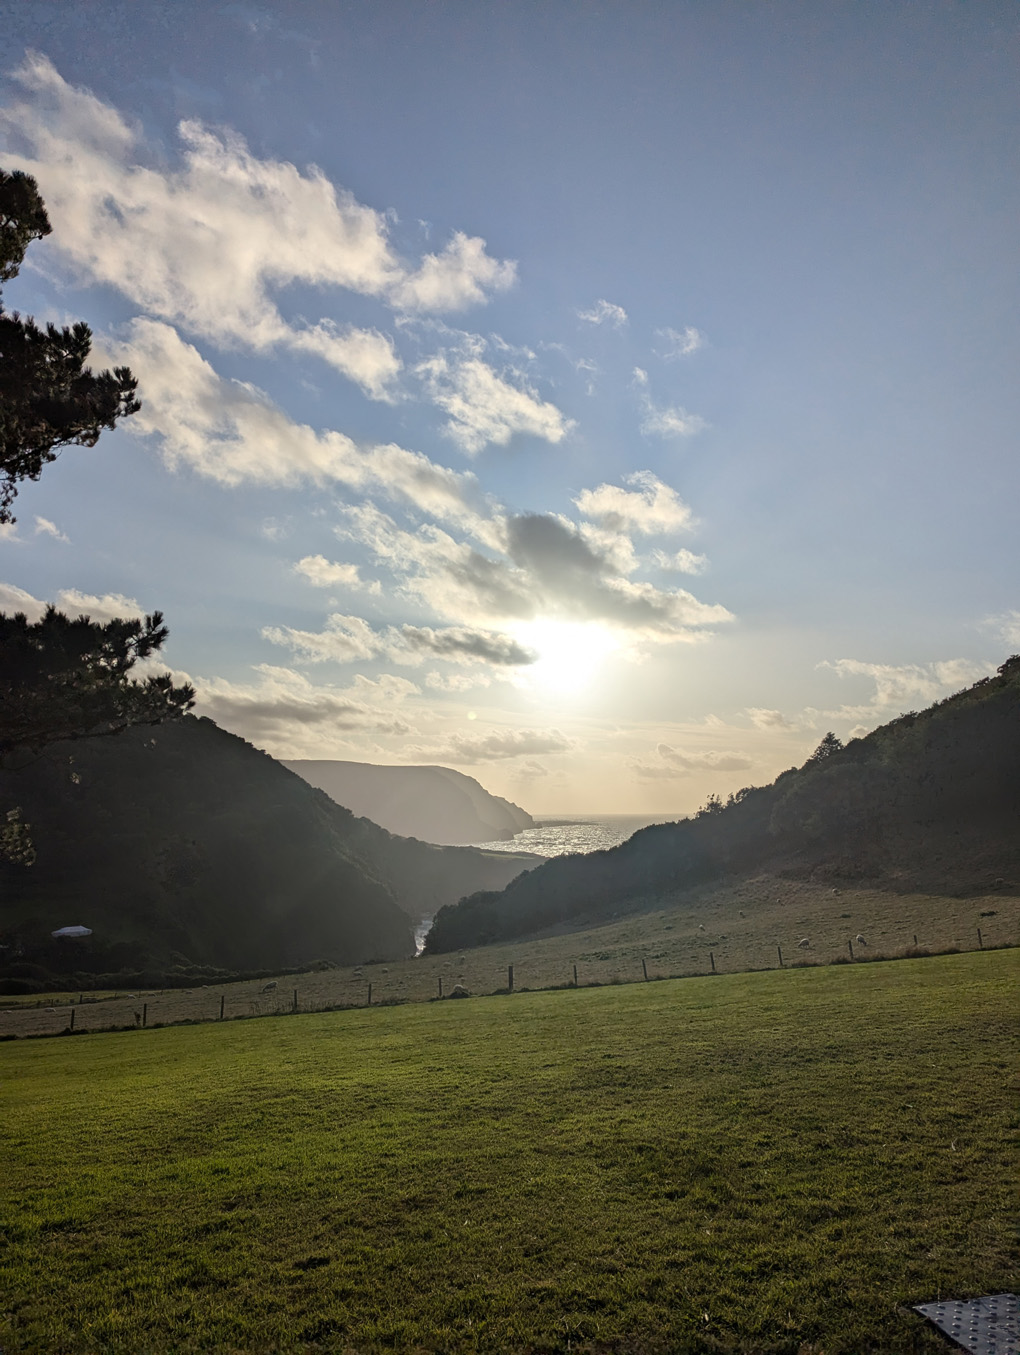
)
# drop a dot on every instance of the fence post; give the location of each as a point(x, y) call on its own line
point(575, 976)
point(981, 944)
point(644, 970)
point(780, 949)
point(850, 947)
point(223, 998)
point(72, 1017)
point(510, 977)
point(915, 938)
point(440, 985)
point(370, 995)
point(295, 999)
point(145, 1013)
point(712, 958)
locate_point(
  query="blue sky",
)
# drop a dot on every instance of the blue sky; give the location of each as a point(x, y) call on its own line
point(603, 399)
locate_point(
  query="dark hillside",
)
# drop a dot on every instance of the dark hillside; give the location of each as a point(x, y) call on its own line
point(930, 801)
point(183, 843)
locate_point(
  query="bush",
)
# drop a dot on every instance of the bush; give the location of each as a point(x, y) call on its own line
point(20, 987)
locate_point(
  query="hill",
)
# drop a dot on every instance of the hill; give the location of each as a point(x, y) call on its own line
point(929, 802)
point(184, 844)
point(435, 804)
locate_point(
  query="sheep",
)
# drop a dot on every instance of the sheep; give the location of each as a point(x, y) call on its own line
point(860, 940)
point(804, 942)
point(270, 987)
point(835, 891)
point(701, 926)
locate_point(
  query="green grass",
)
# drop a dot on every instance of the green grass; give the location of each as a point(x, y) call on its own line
point(763, 1162)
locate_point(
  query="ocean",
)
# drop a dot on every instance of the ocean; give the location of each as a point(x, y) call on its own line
point(577, 833)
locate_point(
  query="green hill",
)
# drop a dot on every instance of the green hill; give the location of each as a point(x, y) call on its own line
point(182, 844)
point(929, 802)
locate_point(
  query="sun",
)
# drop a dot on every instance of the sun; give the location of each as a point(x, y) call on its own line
point(570, 654)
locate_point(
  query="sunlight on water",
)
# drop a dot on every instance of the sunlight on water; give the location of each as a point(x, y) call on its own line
point(577, 833)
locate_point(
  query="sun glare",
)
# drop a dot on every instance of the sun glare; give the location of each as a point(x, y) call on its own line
point(570, 654)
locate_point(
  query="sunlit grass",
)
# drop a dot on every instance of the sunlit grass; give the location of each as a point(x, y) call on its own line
point(767, 1162)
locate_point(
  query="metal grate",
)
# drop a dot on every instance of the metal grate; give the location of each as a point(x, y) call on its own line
point(987, 1326)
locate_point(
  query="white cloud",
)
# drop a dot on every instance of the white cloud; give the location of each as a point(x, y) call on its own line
point(1005, 626)
point(674, 762)
point(14, 599)
point(535, 565)
point(462, 644)
point(604, 312)
point(73, 602)
point(291, 716)
point(664, 421)
point(344, 640)
point(324, 573)
point(681, 343)
point(493, 747)
point(653, 509)
point(458, 277)
point(683, 561)
point(763, 718)
point(205, 244)
point(9, 532)
point(906, 686)
point(484, 407)
point(47, 528)
point(231, 432)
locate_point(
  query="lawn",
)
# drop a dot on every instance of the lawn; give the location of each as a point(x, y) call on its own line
point(759, 1162)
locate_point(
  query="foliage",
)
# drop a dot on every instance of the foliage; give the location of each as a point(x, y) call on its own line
point(69, 679)
point(829, 746)
point(763, 1163)
point(48, 397)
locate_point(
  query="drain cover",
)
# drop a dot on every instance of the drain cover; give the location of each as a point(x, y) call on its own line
point(986, 1326)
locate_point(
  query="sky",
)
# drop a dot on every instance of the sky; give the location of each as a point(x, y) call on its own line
point(603, 399)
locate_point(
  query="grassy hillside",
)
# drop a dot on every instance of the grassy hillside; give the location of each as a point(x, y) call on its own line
point(760, 1163)
point(184, 843)
point(930, 802)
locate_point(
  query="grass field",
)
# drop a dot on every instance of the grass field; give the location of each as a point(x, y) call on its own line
point(771, 1162)
point(736, 924)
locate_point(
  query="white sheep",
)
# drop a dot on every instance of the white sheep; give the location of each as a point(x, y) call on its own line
point(701, 926)
point(804, 942)
point(270, 987)
point(860, 940)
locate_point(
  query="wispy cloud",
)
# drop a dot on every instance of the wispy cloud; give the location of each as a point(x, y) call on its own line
point(680, 343)
point(604, 313)
point(904, 686)
point(493, 747)
point(762, 718)
point(486, 407)
point(1005, 626)
point(347, 639)
point(675, 762)
point(44, 527)
point(664, 421)
point(232, 432)
point(683, 561)
point(323, 573)
point(653, 508)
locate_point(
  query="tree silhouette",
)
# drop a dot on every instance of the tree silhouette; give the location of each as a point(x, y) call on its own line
point(830, 744)
point(48, 398)
point(69, 679)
